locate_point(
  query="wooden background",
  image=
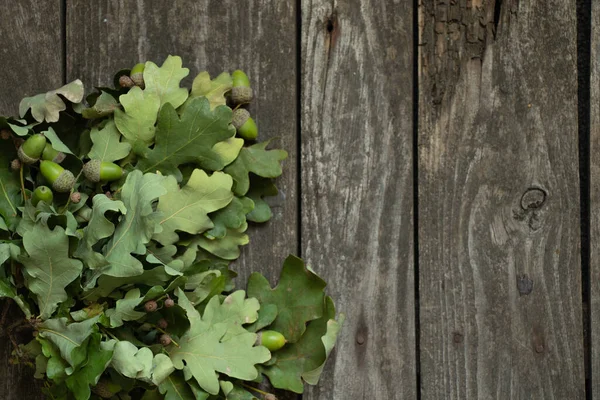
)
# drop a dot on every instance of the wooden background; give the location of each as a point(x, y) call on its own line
point(435, 176)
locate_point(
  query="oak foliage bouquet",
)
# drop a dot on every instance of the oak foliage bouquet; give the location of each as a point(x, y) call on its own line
point(119, 218)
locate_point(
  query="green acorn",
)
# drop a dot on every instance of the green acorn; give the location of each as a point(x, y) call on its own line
point(137, 75)
point(51, 154)
point(241, 92)
point(62, 180)
point(272, 340)
point(30, 151)
point(42, 193)
point(244, 124)
point(96, 171)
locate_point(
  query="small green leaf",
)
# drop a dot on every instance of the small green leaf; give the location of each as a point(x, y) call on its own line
point(48, 268)
point(125, 309)
point(231, 217)
point(10, 188)
point(56, 142)
point(107, 145)
point(257, 160)
point(227, 247)
point(97, 361)
point(174, 387)
point(228, 150)
point(104, 105)
point(260, 188)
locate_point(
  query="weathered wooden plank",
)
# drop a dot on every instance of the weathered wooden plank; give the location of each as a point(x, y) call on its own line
point(500, 285)
point(31, 62)
point(595, 200)
point(258, 37)
point(357, 198)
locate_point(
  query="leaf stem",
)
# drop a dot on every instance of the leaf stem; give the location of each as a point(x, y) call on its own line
point(22, 184)
point(109, 334)
point(257, 390)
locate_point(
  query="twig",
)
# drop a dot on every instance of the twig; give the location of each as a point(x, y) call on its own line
point(22, 184)
point(257, 390)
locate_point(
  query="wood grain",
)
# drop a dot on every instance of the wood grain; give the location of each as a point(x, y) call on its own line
point(31, 62)
point(499, 234)
point(257, 36)
point(357, 198)
point(595, 200)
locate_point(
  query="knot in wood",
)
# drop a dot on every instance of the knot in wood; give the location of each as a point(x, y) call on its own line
point(525, 285)
point(533, 198)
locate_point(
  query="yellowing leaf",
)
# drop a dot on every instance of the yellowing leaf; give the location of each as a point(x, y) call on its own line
point(164, 81)
point(47, 106)
point(213, 90)
point(136, 123)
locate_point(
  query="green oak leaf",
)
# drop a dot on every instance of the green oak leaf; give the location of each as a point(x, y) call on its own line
point(99, 227)
point(137, 226)
point(203, 353)
point(55, 141)
point(130, 361)
point(9, 251)
point(227, 247)
point(48, 268)
point(136, 123)
point(266, 316)
point(162, 367)
point(104, 105)
point(257, 160)
point(235, 311)
point(125, 309)
point(187, 209)
point(213, 90)
point(164, 81)
point(69, 338)
point(89, 375)
point(107, 145)
point(231, 217)
point(299, 297)
point(189, 138)
point(174, 387)
point(55, 366)
point(305, 359)
point(259, 188)
point(10, 188)
point(47, 106)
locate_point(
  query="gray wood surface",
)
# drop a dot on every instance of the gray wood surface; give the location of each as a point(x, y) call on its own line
point(500, 289)
point(357, 197)
point(31, 62)
point(256, 36)
point(595, 200)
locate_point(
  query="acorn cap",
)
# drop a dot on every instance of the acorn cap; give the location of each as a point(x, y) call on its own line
point(240, 116)
point(126, 82)
point(241, 95)
point(64, 183)
point(25, 158)
point(91, 170)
